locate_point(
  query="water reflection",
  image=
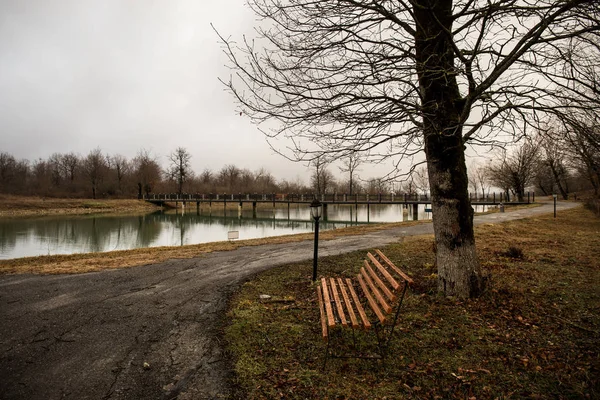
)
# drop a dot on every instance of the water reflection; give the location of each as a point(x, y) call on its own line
point(81, 234)
point(67, 235)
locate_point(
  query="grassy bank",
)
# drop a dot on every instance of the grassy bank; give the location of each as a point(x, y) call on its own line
point(534, 334)
point(21, 206)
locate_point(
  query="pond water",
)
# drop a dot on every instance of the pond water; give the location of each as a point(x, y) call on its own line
point(23, 237)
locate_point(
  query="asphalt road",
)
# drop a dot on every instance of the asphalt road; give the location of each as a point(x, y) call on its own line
point(149, 332)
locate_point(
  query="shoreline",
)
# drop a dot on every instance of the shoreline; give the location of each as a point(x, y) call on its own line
point(92, 262)
point(120, 259)
point(25, 206)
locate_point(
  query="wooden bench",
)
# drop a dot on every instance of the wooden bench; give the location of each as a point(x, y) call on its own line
point(372, 300)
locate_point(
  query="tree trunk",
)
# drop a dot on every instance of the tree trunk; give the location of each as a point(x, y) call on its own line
point(459, 272)
point(564, 193)
point(542, 188)
point(350, 183)
point(593, 181)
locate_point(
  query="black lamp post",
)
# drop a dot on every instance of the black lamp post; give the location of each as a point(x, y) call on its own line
point(315, 211)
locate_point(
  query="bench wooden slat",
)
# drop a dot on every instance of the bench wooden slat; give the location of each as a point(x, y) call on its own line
point(407, 278)
point(384, 272)
point(375, 291)
point(349, 307)
point(379, 282)
point(322, 312)
point(338, 303)
point(370, 299)
point(382, 284)
point(327, 300)
point(359, 307)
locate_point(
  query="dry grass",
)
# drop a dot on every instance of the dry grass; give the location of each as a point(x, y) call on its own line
point(534, 334)
point(20, 206)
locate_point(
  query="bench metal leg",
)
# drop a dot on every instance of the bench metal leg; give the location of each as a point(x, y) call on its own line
point(326, 354)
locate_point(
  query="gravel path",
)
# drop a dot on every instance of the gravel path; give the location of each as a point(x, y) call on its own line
point(149, 332)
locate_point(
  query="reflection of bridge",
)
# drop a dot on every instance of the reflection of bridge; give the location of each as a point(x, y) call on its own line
point(194, 218)
point(355, 199)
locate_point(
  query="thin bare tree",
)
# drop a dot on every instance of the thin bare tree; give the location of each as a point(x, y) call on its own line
point(95, 167)
point(552, 158)
point(421, 179)
point(121, 168)
point(180, 168)
point(478, 179)
point(321, 179)
point(350, 165)
point(516, 170)
point(581, 135)
point(229, 178)
point(147, 172)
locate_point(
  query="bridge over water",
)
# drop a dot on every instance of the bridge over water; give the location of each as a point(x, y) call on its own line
point(275, 199)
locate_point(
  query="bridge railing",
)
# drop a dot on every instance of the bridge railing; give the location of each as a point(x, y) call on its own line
point(494, 198)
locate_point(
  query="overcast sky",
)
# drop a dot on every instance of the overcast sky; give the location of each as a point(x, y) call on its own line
point(122, 75)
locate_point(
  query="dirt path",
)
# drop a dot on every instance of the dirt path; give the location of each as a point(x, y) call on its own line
point(149, 332)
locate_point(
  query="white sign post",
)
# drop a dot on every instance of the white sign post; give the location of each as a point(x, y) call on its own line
point(232, 235)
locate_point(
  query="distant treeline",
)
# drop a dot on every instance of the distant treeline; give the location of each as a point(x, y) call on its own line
point(541, 165)
point(100, 175)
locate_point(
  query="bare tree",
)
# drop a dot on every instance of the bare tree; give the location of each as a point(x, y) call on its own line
point(582, 139)
point(206, 179)
point(94, 167)
point(408, 185)
point(473, 182)
point(376, 186)
point(180, 169)
point(13, 174)
point(121, 168)
point(264, 181)
point(321, 179)
point(147, 172)
point(350, 165)
point(55, 169)
point(421, 179)
point(70, 163)
point(296, 186)
point(482, 176)
point(246, 181)
point(515, 171)
point(229, 178)
point(478, 179)
point(41, 177)
point(7, 166)
point(552, 158)
point(390, 78)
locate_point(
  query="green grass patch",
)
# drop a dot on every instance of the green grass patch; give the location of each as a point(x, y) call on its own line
point(534, 334)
